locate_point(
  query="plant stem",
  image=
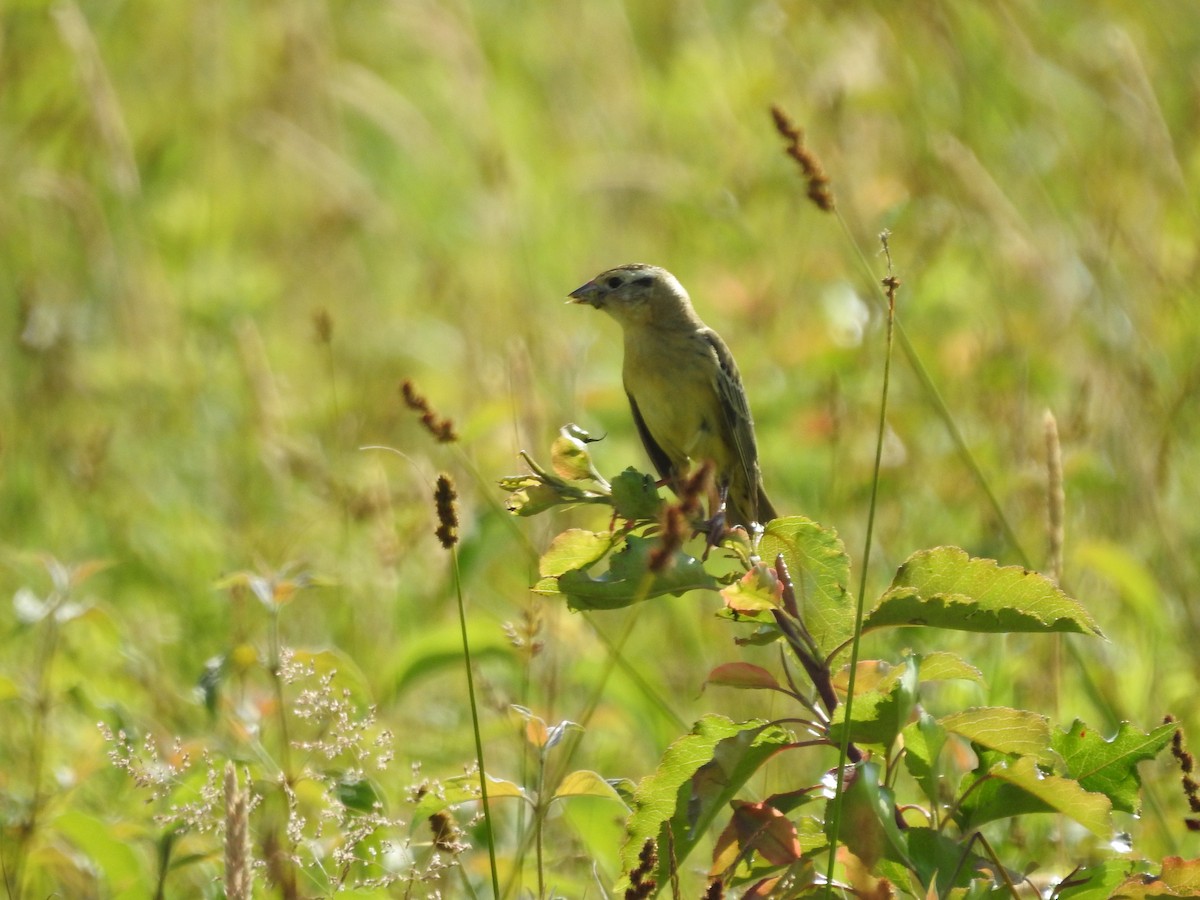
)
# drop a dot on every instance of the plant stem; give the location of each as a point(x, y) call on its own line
point(483, 790)
point(834, 821)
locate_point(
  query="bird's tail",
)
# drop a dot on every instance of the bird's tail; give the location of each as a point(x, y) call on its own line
point(744, 507)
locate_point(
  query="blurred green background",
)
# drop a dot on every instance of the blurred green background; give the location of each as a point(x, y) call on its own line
point(192, 191)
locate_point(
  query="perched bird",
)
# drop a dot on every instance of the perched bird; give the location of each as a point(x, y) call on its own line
point(683, 386)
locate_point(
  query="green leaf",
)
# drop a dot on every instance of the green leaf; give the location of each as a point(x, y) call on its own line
point(356, 794)
point(1006, 730)
point(464, 789)
point(941, 665)
point(584, 783)
point(529, 496)
point(1019, 787)
point(820, 570)
point(877, 717)
point(923, 742)
point(574, 549)
point(1098, 882)
point(635, 495)
point(759, 589)
point(678, 795)
point(629, 579)
point(868, 824)
point(944, 588)
point(569, 456)
point(1110, 766)
point(1179, 878)
point(936, 858)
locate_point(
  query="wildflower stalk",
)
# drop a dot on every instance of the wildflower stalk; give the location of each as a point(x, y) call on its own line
point(447, 534)
point(890, 283)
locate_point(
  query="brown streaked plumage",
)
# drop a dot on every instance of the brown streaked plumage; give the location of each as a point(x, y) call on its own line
point(684, 390)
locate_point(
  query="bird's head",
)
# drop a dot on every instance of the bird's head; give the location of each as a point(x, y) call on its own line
point(637, 293)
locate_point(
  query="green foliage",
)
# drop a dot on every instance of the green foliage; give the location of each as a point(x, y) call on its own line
point(800, 603)
point(229, 232)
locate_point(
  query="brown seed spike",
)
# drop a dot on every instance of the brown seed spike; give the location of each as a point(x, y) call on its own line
point(441, 429)
point(444, 496)
point(819, 190)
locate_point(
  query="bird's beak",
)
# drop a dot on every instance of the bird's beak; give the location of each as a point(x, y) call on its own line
point(591, 293)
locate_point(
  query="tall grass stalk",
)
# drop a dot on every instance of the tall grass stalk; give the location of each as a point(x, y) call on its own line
point(447, 533)
point(890, 283)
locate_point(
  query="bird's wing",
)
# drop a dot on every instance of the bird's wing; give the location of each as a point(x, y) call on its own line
point(657, 455)
point(735, 409)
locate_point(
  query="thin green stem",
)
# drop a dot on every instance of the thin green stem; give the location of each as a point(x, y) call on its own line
point(943, 412)
point(860, 607)
point(483, 789)
point(539, 817)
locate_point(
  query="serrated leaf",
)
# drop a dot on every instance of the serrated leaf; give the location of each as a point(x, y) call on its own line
point(1179, 878)
point(1005, 730)
point(629, 579)
point(635, 496)
point(1019, 787)
point(759, 589)
point(1096, 882)
point(945, 588)
point(731, 751)
point(820, 572)
point(1110, 766)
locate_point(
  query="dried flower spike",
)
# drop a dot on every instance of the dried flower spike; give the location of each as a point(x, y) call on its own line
point(444, 497)
point(819, 191)
point(441, 429)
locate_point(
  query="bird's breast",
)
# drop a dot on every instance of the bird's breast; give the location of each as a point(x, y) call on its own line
point(671, 378)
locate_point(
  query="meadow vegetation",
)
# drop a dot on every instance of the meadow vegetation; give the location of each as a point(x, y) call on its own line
point(230, 232)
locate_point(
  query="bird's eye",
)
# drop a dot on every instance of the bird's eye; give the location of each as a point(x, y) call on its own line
point(614, 282)
point(644, 281)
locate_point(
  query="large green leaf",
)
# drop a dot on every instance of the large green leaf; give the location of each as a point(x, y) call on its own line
point(820, 570)
point(682, 797)
point(1110, 766)
point(868, 823)
point(945, 588)
point(1016, 787)
point(878, 717)
point(1000, 728)
point(629, 579)
point(574, 549)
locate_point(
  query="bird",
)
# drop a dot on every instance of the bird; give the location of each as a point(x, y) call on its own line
point(684, 389)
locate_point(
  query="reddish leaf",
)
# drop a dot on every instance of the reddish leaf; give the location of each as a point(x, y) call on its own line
point(744, 676)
